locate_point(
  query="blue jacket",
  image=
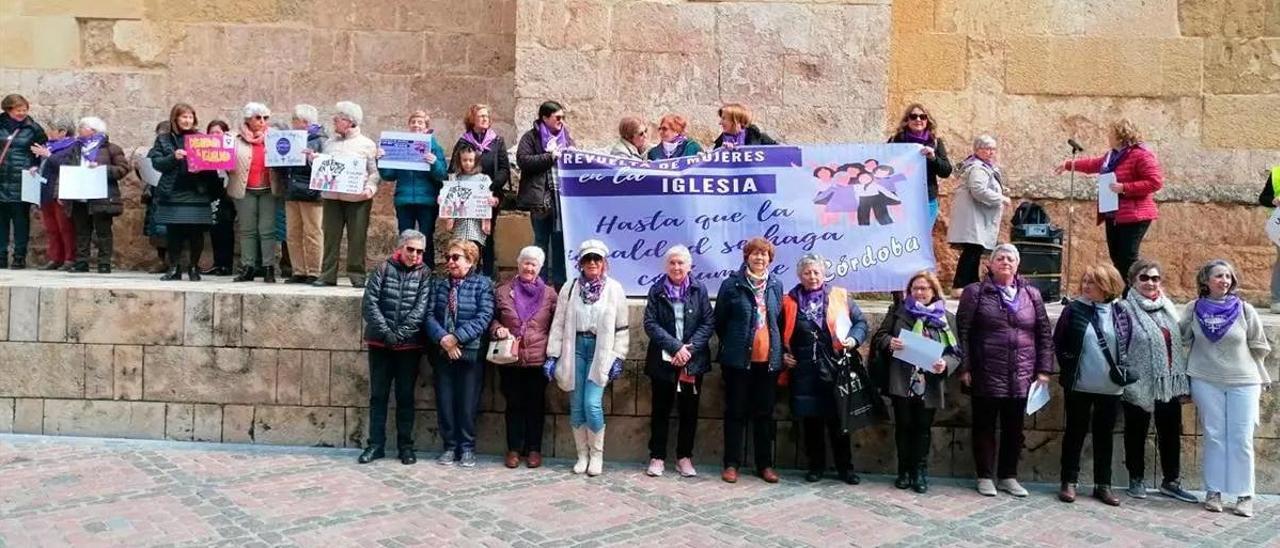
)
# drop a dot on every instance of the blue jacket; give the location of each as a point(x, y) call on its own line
point(736, 320)
point(475, 311)
point(660, 326)
point(419, 187)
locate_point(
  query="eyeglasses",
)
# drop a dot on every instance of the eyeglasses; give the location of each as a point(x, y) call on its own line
point(558, 116)
point(454, 257)
point(1146, 278)
point(261, 117)
point(415, 250)
point(914, 116)
point(591, 259)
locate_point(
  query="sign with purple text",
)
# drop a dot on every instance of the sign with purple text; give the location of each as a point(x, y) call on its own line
point(864, 208)
point(210, 152)
point(404, 150)
point(286, 148)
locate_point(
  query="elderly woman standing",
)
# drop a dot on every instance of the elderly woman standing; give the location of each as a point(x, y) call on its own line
point(917, 394)
point(917, 126)
point(394, 304)
point(679, 322)
point(819, 323)
point(18, 133)
point(1228, 373)
point(348, 211)
point(976, 209)
point(494, 163)
point(633, 139)
point(536, 156)
point(59, 233)
point(459, 311)
point(1159, 358)
point(1006, 343)
point(302, 208)
point(254, 189)
point(525, 307)
point(92, 218)
point(416, 191)
point(1091, 341)
point(747, 312)
point(674, 143)
point(1138, 178)
point(183, 196)
point(590, 334)
point(735, 121)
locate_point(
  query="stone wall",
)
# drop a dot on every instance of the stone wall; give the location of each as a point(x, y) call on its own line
point(221, 362)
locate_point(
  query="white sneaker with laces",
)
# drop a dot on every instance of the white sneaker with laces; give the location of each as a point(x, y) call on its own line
point(685, 466)
point(656, 468)
point(1011, 486)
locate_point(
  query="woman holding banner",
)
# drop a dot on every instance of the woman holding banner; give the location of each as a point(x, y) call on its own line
point(735, 121)
point(18, 132)
point(183, 196)
point(747, 312)
point(917, 126)
point(494, 163)
point(254, 189)
point(819, 323)
point(417, 191)
point(674, 143)
point(539, 149)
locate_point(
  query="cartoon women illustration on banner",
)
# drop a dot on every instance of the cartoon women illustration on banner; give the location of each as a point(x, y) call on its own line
point(860, 189)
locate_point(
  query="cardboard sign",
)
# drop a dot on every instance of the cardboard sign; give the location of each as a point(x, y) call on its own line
point(284, 148)
point(465, 199)
point(332, 173)
point(210, 152)
point(31, 185)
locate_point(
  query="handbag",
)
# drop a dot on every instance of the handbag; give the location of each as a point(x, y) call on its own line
point(504, 351)
point(1122, 376)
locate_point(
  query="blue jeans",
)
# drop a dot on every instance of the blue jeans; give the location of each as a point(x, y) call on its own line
point(933, 211)
point(458, 385)
point(420, 217)
point(586, 401)
point(551, 241)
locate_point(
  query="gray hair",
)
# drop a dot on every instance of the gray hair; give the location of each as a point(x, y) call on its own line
point(349, 111)
point(1202, 277)
point(93, 122)
point(532, 253)
point(984, 141)
point(678, 250)
point(410, 235)
point(1007, 249)
point(255, 109)
point(64, 125)
point(307, 113)
point(811, 258)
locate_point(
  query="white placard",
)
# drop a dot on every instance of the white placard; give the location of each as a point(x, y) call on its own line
point(1037, 396)
point(343, 174)
point(404, 150)
point(918, 350)
point(466, 199)
point(284, 147)
point(31, 186)
point(1273, 226)
point(1108, 200)
point(82, 183)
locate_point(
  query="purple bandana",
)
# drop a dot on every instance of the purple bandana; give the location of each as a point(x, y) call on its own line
point(89, 147)
point(675, 293)
point(1114, 157)
point(909, 136)
point(738, 139)
point(812, 303)
point(527, 296)
point(933, 315)
point(591, 290)
point(547, 137)
point(314, 129)
point(1217, 317)
point(675, 147)
point(59, 145)
point(484, 142)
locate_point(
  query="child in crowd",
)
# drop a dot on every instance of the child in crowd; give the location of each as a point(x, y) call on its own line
point(466, 167)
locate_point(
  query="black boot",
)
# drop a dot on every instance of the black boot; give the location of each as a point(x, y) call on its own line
point(371, 453)
point(269, 275)
point(174, 274)
point(921, 481)
point(193, 274)
point(903, 480)
point(245, 275)
point(19, 262)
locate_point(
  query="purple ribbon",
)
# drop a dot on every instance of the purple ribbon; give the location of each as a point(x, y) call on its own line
point(738, 139)
point(562, 138)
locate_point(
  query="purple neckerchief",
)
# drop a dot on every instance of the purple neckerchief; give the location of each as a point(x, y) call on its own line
point(739, 138)
point(1217, 317)
point(811, 302)
point(1010, 303)
point(591, 289)
point(484, 142)
point(676, 147)
point(89, 146)
point(1115, 156)
point(909, 136)
point(314, 129)
point(562, 138)
point(527, 297)
point(59, 145)
point(933, 315)
point(973, 158)
point(675, 293)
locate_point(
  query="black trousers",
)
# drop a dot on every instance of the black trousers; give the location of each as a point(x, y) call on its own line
point(91, 226)
point(385, 368)
point(15, 220)
point(686, 403)
point(525, 389)
point(185, 235)
point(969, 265)
point(1123, 243)
point(458, 386)
point(222, 235)
point(815, 444)
point(1168, 417)
point(1089, 413)
point(987, 412)
point(912, 432)
point(749, 394)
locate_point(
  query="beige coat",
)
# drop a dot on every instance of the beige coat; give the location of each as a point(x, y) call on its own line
point(355, 144)
point(976, 206)
point(238, 180)
point(613, 336)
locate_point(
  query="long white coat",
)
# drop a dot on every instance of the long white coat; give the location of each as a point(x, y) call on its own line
point(613, 336)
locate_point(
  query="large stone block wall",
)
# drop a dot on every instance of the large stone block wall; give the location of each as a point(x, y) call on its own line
point(213, 363)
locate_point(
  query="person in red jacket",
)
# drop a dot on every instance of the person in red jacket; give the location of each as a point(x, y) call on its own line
point(1138, 178)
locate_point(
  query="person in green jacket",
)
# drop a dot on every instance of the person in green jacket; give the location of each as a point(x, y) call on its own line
point(416, 191)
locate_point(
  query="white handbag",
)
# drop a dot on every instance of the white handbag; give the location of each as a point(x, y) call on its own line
point(504, 351)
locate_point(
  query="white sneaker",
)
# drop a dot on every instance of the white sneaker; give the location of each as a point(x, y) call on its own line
point(986, 487)
point(685, 466)
point(1011, 486)
point(1213, 501)
point(656, 468)
point(1244, 507)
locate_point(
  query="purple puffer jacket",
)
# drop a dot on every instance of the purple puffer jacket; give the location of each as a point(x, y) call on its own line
point(1003, 351)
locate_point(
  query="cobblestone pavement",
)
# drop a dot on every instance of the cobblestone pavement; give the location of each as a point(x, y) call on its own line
point(89, 492)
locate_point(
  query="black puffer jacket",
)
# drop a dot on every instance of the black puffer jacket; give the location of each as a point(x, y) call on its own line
point(297, 179)
point(19, 156)
point(178, 186)
point(754, 137)
point(395, 301)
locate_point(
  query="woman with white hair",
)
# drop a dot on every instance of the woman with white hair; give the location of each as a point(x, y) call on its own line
point(1227, 364)
point(254, 189)
point(301, 204)
point(525, 306)
point(1006, 344)
point(589, 339)
point(92, 218)
point(348, 211)
point(976, 209)
point(679, 322)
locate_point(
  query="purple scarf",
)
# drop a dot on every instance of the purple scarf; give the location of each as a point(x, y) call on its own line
point(314, 129)
point(1216, 318)
point(812, 303)
point(527, 297)
point(739, 138)
point(676, 147)
point(60, 145)
point(675, 293)
point(591, 290)
point(547, 137)
point(1114, 157)
point(934, 315)
point(908, 136)
point(485, 141)
point(89, 147)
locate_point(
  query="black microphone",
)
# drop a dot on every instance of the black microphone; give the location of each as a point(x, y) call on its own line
point(1075, 147)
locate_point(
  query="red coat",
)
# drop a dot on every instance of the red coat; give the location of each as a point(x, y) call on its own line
point(1140, 174)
